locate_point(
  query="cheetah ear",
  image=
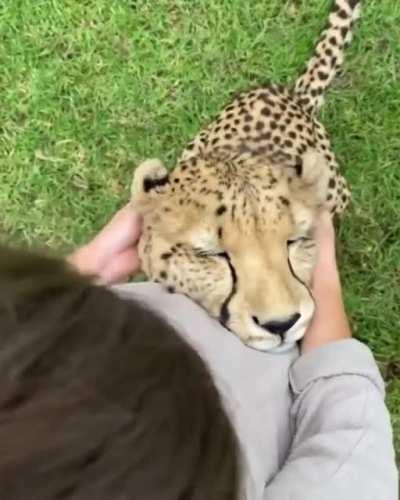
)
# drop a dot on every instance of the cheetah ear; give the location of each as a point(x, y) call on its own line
point(148, 177)
point(313, 175)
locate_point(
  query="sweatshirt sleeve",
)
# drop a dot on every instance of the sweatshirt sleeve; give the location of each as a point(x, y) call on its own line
point(342, 445)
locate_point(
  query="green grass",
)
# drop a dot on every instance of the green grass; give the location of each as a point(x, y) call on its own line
point(90, 88)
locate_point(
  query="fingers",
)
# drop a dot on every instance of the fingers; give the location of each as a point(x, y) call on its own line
point(112, 255)
point(122, 232)
point(324, 230)
point(325, 271)
point(120, 267)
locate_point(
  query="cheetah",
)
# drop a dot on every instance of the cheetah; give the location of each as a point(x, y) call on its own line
point(232, 225)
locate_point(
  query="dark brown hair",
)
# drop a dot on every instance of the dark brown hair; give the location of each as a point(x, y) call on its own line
point(100, 398)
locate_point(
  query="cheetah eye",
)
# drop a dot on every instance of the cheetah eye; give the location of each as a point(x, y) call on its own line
point(203, 253)
point(297, 240)
point(209, 253)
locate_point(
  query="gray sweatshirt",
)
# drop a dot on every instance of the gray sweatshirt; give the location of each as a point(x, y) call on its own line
point(311, 427)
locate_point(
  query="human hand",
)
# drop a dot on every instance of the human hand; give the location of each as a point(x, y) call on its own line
point(330, 320)
point(112, 255)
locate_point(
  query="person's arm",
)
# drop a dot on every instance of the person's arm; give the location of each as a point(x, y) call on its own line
point(342, 444)
point(111, 256)
point(330, 320)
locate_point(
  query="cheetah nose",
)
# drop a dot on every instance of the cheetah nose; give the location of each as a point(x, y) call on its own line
point(279, 327)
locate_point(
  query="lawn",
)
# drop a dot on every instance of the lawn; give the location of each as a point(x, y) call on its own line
point(90, 88)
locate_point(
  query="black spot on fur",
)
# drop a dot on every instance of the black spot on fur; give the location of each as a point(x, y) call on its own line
point(266, 136)
point(283, 106)
point(220, 210)
point(305, 101)
point(284, 201)
point(322, 75)
point(332, 40)
point(260, 125)
point(166, 255)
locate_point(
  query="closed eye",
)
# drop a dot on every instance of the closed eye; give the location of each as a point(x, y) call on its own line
point(296, 240)
point(210, 253)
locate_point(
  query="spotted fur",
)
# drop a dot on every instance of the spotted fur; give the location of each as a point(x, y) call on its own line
point(232, 225)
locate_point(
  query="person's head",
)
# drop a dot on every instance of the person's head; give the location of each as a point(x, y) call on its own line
point(100, 398)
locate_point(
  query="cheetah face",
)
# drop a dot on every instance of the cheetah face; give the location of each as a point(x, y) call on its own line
point(240, 244)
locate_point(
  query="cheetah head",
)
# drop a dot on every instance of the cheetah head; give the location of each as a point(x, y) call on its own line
point(236, 235)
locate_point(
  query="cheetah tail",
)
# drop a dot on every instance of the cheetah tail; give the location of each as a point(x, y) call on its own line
point(328, 55)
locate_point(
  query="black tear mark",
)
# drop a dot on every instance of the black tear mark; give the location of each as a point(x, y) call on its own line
point(224, 314)
point(291, 267)
point(166, 255)
point(149, 184)
point(300, 281)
